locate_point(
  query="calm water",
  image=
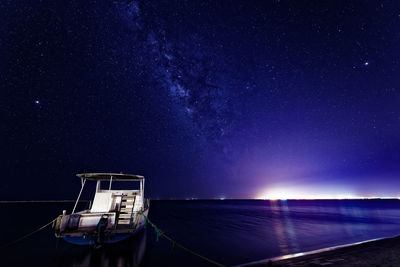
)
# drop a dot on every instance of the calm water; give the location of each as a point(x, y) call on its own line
point(230, 231)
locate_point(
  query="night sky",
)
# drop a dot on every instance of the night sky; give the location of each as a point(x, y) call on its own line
point(207, 99)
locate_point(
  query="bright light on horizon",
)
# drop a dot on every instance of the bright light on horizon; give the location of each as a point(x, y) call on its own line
point(283, 193)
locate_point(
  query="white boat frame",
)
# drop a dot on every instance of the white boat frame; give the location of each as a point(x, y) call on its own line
point(113, 216)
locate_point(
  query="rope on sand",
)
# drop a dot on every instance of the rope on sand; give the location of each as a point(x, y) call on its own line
point(161, 233)
point(28, 235)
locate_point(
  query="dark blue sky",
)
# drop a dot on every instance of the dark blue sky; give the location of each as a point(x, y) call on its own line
point(206, 99)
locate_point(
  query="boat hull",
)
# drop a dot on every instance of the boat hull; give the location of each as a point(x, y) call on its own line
point(108, 238)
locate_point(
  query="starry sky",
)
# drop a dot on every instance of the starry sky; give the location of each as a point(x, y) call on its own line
point(207, 99)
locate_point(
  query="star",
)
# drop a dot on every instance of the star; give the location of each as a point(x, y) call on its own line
point(37, 102)
point(366, 63)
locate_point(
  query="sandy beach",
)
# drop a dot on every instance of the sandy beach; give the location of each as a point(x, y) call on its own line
point(383, 252)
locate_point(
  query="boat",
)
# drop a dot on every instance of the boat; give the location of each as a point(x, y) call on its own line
point(115, 215)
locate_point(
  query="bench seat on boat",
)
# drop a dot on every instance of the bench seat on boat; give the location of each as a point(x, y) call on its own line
point(87, 222)
point(102, 202)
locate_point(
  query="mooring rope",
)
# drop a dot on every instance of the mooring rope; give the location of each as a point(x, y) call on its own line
point(158, 231)
point(38, 201)
point(161, 233)
point(27, 235)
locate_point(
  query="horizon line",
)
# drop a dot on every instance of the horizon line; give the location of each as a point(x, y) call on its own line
point(199, 199)
point(345, 198)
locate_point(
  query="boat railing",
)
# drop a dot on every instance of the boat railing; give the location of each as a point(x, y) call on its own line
point(146, 204)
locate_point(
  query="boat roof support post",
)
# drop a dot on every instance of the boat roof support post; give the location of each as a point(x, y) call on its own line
point(142, 189)
point(80, 192)
point(109, 187)
point(98, 186)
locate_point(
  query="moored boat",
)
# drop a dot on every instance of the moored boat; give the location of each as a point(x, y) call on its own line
point(115, 214)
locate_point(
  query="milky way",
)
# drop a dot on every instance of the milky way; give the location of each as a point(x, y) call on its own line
point(186, 69)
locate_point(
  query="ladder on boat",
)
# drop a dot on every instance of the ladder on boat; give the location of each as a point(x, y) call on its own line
point(126, 210)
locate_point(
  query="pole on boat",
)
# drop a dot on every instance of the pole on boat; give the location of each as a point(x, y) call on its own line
point(80, 192)
point(98, 186)
point(109, 187)
point(142, 189)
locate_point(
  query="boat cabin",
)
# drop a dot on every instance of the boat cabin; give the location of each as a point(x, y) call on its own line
point(109, 200)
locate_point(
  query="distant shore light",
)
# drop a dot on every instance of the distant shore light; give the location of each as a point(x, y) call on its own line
point(299, 193)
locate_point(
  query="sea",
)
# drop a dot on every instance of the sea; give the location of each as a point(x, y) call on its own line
point(230, 232)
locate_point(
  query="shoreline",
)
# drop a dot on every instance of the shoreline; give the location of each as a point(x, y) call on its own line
point(382, 251)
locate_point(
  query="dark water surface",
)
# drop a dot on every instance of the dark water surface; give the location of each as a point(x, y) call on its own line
point(229, 231)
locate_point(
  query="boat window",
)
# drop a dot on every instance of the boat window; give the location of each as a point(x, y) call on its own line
point(120, 185)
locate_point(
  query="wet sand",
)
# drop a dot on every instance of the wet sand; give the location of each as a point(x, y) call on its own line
point(383, 252)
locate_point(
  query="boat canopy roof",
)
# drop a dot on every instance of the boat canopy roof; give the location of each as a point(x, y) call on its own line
point(107, 176)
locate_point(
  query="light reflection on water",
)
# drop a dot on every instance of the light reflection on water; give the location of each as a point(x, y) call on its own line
point(279, 228)
point(128, 253)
